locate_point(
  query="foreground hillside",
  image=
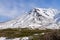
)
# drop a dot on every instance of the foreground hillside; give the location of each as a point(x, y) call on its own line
point(36, 34)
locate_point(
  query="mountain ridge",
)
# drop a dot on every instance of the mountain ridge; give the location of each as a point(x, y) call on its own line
point(40, 18)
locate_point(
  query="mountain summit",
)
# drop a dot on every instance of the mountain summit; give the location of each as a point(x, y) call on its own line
point(40, 18)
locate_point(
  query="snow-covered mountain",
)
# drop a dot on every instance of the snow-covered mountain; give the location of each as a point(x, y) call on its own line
point(40, 18)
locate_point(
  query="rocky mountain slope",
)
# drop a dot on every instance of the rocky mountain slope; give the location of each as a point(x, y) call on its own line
point(40, 18)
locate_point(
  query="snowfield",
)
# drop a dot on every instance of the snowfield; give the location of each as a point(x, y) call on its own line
point(23, 38)
point(41, 18)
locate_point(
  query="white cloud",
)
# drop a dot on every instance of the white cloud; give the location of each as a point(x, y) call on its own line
point(15, 11)
point(10, 13)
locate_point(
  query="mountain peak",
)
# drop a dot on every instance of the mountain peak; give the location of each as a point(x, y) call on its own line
point(48, 13)
point(40, 18)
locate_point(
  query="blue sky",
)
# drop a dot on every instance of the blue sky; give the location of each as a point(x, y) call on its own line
point(10, 9)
